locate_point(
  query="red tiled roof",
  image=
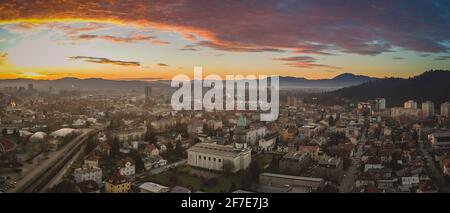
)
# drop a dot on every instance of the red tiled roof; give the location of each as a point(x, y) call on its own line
point(6, 145)
point(121, 163)
point(117, 179)
point(92, 157)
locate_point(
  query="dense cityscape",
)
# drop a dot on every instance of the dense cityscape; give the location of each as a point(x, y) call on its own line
point(131, 142)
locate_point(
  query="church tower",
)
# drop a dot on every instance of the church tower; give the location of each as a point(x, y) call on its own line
point(240, 133)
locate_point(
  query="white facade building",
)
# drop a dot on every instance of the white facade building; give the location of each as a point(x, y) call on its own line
point(126, 168)
point(397, 112)
point(87, 173)
point(213, 157)
point(381, 103)
point(410, 104)
point(445, 109)
point(428, 109)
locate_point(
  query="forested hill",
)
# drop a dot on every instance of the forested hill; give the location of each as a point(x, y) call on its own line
point(432, 85)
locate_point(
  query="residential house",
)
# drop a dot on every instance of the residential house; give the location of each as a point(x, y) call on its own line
point(91, 160)
point(268, 142)
point(86, 173)
point(313, 151)
point(117, 183)
point(126, 167)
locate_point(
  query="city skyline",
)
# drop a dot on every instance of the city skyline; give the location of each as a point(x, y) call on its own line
point(144, 40)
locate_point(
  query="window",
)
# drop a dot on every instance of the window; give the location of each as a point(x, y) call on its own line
point(209, 158)
point(204, 157)
point(220, 160)
point(214, 159)
point(199, 157)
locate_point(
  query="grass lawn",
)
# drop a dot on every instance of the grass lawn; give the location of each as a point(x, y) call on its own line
point(183, 178)
point(106, 166)
point(264, 159)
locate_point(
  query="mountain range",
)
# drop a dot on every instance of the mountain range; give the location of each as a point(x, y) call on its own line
point(340, 81)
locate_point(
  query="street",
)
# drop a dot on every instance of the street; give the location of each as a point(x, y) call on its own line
point(163, 168)
point(347, 182)
point(436, 173)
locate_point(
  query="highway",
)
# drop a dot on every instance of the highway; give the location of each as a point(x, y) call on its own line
point(39, 178)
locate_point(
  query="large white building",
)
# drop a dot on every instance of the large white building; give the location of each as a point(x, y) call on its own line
point(410, 104)
point(428, 109)
point(87, 173)
point(445, 109)
point(214, 157)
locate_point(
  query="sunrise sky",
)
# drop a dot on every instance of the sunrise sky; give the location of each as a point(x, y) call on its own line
point(149, 39)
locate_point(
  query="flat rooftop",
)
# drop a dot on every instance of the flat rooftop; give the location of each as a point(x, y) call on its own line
point(292, 177)
point(215, 149)
point(152, 187)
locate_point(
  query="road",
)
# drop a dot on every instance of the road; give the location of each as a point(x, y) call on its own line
point(436, 173)
point(347, 182)
point(163, 168)
point(34, 177)
point(167, 167)
point(62, 172)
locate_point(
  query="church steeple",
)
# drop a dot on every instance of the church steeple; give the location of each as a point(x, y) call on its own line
point(242, 121)
point(240, 133)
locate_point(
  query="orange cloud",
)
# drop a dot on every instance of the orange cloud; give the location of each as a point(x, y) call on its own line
point(3, 58)
point(133, 38)
point(303, 62)
point(71, 30)
point(105, 61)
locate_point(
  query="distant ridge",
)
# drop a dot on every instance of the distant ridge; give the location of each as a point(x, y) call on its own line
point(71, 83)
point(340, 81)
point(433, 85)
